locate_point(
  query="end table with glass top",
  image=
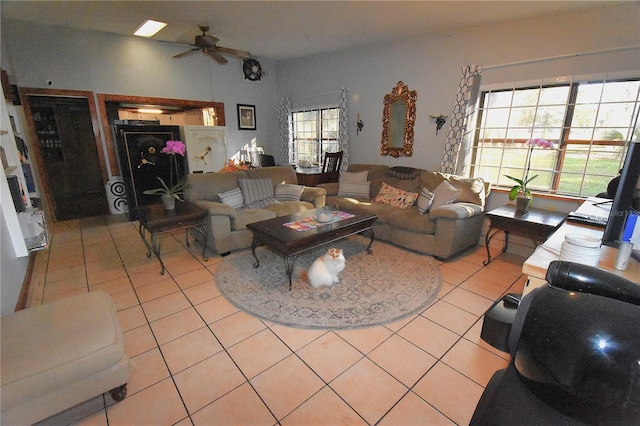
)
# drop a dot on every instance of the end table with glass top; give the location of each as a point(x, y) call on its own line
point(156, 220)
point(536, 224)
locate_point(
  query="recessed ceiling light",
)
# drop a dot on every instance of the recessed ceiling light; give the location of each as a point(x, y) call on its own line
point(149, 28)
point(150, 111)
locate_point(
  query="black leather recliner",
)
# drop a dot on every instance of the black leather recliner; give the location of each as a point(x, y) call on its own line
point(575, 349)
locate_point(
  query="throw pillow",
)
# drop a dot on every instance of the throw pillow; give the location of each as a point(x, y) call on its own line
point(350, 189)
point(255, 189)
point(425, 199)
point(288, 192)
point(401, 172)
point(472, 190)
point(354, 176)
point(395, 197)
point(232, 198)
point(445, 193)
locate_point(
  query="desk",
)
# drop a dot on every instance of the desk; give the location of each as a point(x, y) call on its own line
point(156, 220)
point(536, 224)
point(536, 265)
point(309, 176)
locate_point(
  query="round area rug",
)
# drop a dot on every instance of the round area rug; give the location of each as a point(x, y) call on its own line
point(374, 289)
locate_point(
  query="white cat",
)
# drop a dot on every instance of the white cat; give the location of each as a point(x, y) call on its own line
point(325, 269)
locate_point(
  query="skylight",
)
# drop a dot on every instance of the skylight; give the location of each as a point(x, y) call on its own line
point(149, 28)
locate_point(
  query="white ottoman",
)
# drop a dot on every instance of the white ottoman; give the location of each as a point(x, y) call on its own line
point(60, 354)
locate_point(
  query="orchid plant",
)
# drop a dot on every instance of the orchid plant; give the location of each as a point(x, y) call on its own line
point(521, 187)
point(172, 148)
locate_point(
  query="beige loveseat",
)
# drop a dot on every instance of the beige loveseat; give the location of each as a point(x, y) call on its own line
point(441, 231)
point(227, 223)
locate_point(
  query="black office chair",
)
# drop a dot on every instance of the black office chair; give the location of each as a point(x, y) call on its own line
point(575, 354)
point(331, 167)
point(266, 160)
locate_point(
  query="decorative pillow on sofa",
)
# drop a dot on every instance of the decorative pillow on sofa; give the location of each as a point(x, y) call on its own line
point(425, 199)
point(445, 193)
point(354, 176)
point(232, 198)
point(472, 190)
point(401, 172)
point(288, 192)
point(255, 190)
point(395, 197)
point(351, 189)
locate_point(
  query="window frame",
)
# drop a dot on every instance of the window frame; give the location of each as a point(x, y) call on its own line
point(551, 181)
point(320, 138)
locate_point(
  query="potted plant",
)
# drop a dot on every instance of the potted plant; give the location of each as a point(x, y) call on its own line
point(169, 195)
point(172, 192)
point(520, 192)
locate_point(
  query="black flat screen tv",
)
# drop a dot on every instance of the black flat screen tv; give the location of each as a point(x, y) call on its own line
point(627, 197)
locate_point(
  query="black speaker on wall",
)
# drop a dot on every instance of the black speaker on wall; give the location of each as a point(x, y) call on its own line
point(16, 192)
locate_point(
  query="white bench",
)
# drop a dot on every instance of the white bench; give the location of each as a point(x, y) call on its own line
point(60, 354)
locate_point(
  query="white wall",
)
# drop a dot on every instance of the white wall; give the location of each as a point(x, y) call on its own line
point(433, 65)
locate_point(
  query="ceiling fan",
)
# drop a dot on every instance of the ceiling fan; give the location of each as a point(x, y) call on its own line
point(207, 44)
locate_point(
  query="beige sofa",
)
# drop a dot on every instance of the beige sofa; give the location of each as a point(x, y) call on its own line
point(441, 232)
point(226, 225)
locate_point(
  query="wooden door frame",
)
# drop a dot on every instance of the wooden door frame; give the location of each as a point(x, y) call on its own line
point(110, 139)
point(25, 92)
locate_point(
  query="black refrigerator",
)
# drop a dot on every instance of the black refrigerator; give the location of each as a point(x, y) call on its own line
point(142, 161)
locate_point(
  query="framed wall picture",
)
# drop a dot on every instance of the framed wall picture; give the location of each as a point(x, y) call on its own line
point(246, 117)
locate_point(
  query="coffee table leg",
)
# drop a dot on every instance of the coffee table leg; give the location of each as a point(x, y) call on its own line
point(156, 250)
point(154, 247)
point(254, 244)
point(371, 242)
point(289, 261)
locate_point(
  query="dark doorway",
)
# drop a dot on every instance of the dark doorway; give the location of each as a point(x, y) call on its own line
point(68, 156)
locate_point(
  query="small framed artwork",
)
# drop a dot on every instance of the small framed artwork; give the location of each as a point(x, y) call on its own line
point(246, 117)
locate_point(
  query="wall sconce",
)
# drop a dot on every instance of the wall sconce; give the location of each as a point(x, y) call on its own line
point(440, 120)
point(359, 125)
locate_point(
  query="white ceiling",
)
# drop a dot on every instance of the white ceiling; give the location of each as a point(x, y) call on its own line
point(284, 29)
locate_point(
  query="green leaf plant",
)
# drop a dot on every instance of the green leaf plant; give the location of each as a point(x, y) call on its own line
point(176, 191)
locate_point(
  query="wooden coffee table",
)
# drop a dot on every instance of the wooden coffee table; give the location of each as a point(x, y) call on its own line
point(156, 220)
point(289, 243)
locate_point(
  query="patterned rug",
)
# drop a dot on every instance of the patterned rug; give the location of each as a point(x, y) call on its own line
point(374, 289)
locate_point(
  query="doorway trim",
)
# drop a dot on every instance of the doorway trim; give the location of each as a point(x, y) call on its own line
point(110, 141)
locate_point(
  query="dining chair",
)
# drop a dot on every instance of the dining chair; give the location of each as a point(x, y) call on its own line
point(266, 160)
point(331, 166)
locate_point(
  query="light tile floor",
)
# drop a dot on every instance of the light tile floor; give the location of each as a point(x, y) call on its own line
point(197, 359)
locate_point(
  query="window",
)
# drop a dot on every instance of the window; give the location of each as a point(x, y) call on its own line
point(590, 123)
point(315, 132)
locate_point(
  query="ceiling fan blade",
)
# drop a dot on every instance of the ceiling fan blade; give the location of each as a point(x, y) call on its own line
point(234, 52)
point(218, 57)
point(180, 55)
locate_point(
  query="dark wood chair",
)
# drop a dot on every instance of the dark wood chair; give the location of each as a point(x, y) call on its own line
point(266, 160)
point(331, 167)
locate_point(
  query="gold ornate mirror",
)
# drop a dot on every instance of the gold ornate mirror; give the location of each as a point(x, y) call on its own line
point(398, 117)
